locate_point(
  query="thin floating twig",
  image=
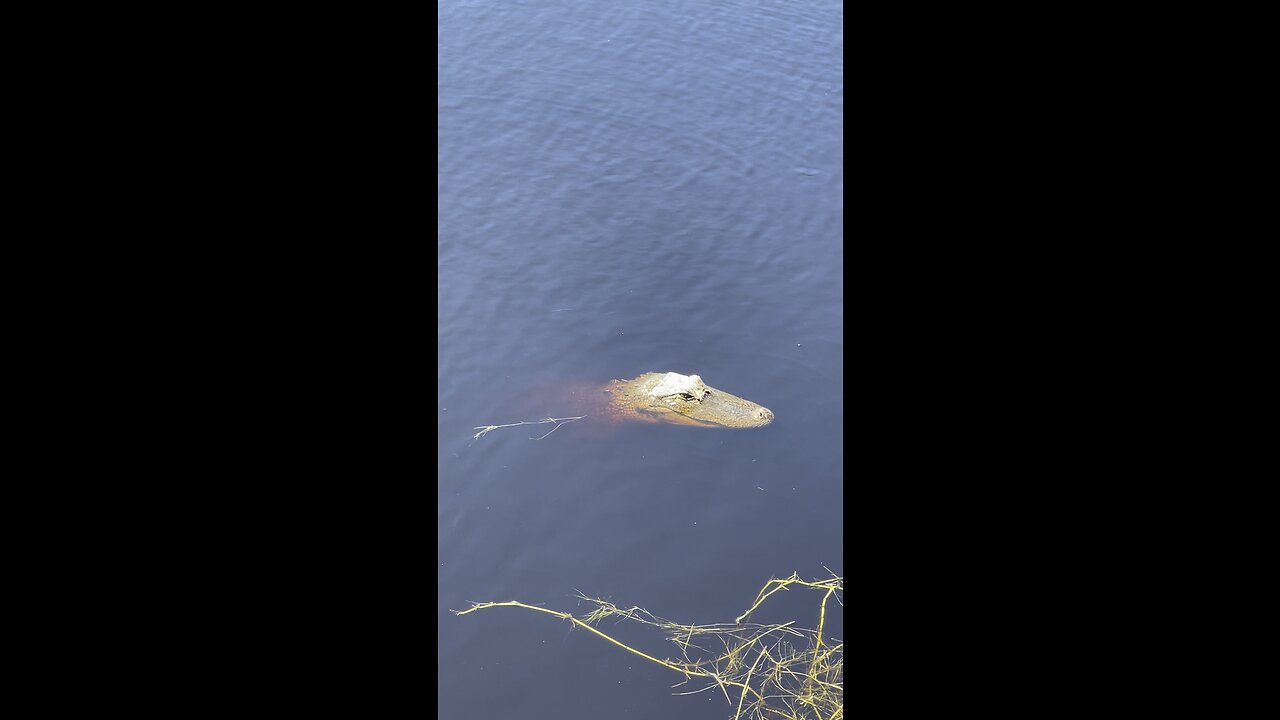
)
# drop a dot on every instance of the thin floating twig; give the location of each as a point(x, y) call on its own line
point(548, 419)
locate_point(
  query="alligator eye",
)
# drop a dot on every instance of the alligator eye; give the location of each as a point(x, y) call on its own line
point(686, 396)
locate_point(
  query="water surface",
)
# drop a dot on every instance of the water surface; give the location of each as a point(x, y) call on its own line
point(626, 188)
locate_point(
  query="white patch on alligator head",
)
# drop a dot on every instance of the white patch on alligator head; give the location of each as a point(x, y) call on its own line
point(677, 384)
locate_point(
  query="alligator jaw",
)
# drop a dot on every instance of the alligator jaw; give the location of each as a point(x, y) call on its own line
point(720, 409)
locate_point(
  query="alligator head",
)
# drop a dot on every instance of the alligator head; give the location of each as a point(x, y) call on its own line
point(686, 400)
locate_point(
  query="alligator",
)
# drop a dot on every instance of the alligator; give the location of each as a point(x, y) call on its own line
point(681, 400)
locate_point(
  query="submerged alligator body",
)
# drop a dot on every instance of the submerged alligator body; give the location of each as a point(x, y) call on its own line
point(681, 400)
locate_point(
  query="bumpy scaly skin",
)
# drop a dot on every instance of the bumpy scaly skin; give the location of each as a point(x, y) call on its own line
point(682, 400)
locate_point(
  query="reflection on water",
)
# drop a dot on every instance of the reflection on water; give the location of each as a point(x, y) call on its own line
point(624, 191)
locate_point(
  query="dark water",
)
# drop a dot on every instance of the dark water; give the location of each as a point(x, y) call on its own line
point(624, 188)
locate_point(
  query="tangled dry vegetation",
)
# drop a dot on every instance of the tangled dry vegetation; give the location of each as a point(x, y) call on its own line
point(764, 671)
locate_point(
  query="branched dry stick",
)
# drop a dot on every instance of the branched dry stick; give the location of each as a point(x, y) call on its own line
point(548, 419)
point(771, 677)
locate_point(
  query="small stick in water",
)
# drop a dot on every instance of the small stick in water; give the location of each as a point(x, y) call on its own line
point(548, 419)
